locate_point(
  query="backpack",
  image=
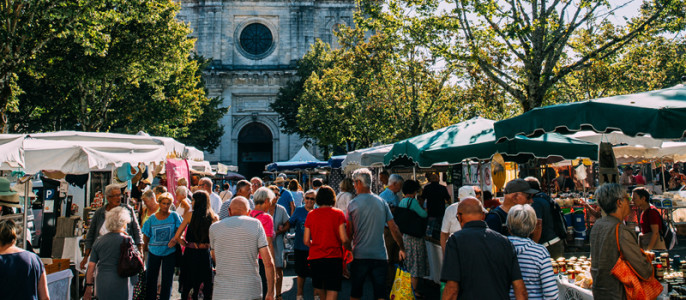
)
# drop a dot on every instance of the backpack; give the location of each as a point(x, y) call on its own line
point(668, 233)
point(502, 216)
point(559, 222)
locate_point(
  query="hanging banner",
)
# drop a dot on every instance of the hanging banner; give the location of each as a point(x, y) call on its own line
point(175, 170)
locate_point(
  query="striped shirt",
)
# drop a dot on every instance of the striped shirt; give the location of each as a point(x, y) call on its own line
point(537, 270)
point(236, 242)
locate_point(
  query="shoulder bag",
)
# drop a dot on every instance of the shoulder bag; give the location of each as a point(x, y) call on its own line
point(409, 222)
point(635, 286)
point(130, 261)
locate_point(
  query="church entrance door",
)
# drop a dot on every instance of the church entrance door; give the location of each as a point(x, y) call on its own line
point(254, 149)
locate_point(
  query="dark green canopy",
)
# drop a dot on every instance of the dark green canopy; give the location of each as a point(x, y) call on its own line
point(475, 139)
point(661, 113)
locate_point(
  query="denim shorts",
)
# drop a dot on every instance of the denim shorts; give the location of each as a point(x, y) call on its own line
point(375, 270)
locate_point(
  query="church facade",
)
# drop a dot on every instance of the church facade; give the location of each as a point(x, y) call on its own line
point(254, 46)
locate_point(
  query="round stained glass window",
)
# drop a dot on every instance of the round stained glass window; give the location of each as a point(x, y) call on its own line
point(256, 39)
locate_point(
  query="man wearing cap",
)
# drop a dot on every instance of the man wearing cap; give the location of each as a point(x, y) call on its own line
point(517, 191)
point(450, 223)
point(546, 235)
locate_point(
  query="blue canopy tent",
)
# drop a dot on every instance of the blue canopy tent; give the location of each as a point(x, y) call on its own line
point(302, 160)
point(335, 162)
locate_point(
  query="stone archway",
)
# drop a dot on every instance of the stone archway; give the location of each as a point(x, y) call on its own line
point(254, 149)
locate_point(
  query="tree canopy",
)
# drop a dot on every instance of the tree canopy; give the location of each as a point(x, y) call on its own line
point(143, 76)
point(536, 39)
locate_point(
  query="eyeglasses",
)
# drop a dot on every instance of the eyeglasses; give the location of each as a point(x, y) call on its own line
point(114, 196)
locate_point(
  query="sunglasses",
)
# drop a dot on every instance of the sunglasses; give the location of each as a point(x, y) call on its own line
point(309, 198)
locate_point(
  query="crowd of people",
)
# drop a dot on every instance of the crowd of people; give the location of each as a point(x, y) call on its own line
point(232, 245)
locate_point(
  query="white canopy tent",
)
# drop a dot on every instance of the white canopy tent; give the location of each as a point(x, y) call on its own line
point(79, 157)
point(368, 157)
point(11, 151)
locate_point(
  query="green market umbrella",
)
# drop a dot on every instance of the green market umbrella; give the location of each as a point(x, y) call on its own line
point(475, 139)
point(660, 113)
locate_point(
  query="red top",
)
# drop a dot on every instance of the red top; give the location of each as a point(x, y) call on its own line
point(323, 223)
point(266, 220)
point(650, 217)
point(640, 179)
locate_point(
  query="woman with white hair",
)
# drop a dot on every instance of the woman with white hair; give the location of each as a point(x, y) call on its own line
point(97, 228)
point(105, 256)
point(534, 259)
point(183, 205)
point(262, 198)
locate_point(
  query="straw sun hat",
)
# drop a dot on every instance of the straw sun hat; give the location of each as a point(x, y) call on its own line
point(8, 197)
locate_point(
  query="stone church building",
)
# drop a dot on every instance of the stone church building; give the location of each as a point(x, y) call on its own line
point(254, 46)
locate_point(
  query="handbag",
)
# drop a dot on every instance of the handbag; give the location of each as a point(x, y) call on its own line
point(409, 222)
point(130, 261)
point(635, 286)
point(402, 285)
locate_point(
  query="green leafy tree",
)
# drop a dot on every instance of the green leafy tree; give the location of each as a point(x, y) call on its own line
point(145, 79)
point(536, 38)
point(26, 26)
point(385, 83)
point(649, 62)
point(286, 105)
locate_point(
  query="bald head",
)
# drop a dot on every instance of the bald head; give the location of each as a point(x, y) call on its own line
point(470, 209)
point(239, 206)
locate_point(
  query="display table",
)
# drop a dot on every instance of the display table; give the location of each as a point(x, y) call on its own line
point(59, 285)
point(570, 291)
point(72, 251)
point(434, 254)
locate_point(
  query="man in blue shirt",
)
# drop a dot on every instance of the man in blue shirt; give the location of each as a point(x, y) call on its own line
point(367, 216)
point(395, 183)
point(286, 198)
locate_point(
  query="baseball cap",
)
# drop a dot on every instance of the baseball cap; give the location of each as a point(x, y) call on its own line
point(466, 191)
point(519, 185)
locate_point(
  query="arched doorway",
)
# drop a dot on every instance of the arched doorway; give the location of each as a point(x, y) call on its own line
point(254, 149)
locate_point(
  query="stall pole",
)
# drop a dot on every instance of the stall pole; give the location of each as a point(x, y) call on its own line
point(662, 176)
point(27, 199)
point(414, 172)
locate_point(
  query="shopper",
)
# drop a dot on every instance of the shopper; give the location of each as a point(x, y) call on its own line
point(105, 255)
point(534, 259)
point(614, 201)
point(300, 250)
point(98, 228)
point(158, 233)
point(280, 217)
point(347, 194)
point(416, 260)
point(263, 198)
point(196, 269)
point(650, 221)
point(22, 275)
point(325, 234)
point(368, 214)
point(479, 263)
point(235, 242)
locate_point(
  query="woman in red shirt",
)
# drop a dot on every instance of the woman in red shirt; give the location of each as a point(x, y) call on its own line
point(325, 234)
point(650, 221)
